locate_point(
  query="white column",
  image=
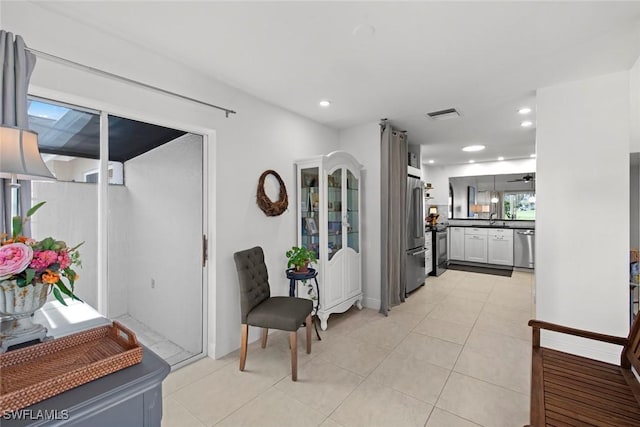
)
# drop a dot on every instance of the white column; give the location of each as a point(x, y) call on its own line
point(582, 218)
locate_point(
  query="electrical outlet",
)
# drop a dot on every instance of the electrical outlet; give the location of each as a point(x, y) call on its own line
point(153, 283)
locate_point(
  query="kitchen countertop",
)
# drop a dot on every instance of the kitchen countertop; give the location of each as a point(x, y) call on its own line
point(496, 225)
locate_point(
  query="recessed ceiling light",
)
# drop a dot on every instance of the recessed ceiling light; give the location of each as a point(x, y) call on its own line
point(524, 110)
point(432, 161)
point(472, 161)
point(526, 123)
point(500, 158)
point(472, 148)
point(324, 103)
point(533, 156)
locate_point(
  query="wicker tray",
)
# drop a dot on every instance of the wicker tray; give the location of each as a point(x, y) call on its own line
point(39, 372)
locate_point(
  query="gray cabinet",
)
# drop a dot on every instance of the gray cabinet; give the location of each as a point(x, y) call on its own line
point(129, 397)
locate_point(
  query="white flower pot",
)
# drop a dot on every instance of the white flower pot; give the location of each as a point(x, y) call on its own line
point(18, 305)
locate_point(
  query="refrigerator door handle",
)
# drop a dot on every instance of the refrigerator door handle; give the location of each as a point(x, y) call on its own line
point(417, 212)
point(420, 252)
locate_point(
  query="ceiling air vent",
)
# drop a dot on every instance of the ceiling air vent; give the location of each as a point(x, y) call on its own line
point(449, 113)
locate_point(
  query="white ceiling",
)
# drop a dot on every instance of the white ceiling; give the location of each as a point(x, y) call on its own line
point(484, 58)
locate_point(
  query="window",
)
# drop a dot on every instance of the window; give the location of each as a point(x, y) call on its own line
point(520, 205)
point(69, 140)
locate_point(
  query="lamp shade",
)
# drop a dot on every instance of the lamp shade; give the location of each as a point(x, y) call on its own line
point(19, 155)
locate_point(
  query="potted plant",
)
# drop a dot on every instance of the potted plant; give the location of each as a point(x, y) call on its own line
point(300, 258)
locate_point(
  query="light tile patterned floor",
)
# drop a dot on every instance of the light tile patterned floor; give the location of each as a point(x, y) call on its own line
point(457, 353)
point(171, 352)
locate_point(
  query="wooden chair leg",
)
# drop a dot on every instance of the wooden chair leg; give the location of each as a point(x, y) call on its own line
point(293, 341)
point(265, 332)
point(309, 321)
point(243, 345)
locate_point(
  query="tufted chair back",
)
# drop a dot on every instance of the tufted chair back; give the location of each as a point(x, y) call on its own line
point(253, 279)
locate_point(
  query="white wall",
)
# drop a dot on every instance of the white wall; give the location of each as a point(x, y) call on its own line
point(582, 139)
point(364, 143)
point(634, 91)
point(162, 226)
point(118, 250)
point(72, 170)
point(259, 137)
point(634, 206)
point(71, 215)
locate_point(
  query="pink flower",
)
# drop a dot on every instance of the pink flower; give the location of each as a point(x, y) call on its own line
point(14, 258)
point(64, 260)
point(43, 259)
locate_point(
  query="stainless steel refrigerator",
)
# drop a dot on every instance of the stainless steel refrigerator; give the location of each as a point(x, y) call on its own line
point(415, 274)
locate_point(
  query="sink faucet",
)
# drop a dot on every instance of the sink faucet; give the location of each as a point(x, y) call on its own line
point(491, 219)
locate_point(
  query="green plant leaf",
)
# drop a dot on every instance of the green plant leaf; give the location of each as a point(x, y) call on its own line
point(16, 226)
point(34, 209)
point(60, 284)
point(30, 274)
point(56, 293)
point(48, 243)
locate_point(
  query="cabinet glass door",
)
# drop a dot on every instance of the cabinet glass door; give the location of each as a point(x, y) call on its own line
point(353, 216)
point(310, 208)
point(334, 212)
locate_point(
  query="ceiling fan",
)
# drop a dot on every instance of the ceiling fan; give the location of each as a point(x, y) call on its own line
point(525, 178)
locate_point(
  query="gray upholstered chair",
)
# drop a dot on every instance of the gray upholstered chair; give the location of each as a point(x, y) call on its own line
point(260, 309)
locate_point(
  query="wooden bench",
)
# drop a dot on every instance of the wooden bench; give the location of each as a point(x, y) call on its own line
point(569, 390)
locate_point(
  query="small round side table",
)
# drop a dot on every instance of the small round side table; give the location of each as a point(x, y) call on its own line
point(295, 276)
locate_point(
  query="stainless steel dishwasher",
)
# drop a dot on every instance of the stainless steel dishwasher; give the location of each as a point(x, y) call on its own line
point(524, 248)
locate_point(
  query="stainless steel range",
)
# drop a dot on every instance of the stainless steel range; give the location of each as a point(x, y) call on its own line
point(440, 258)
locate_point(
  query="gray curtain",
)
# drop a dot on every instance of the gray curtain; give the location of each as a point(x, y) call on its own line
point(393, 176)
point(15, 71)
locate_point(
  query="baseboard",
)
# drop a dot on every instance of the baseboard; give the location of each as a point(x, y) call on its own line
point(604, 352)
point(482, 264)
point(371, 303)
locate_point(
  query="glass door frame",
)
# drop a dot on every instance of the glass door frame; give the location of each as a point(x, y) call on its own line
point(209, 142)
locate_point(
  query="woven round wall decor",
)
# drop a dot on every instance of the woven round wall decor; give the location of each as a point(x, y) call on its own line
point(269, 207)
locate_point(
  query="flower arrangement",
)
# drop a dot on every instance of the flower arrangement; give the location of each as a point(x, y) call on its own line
point(48, 261)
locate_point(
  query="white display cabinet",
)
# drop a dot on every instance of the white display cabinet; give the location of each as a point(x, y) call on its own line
point(329, 213)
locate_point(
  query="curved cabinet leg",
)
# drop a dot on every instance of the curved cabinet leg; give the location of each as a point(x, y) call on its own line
point(323, 320)
point(359, 304)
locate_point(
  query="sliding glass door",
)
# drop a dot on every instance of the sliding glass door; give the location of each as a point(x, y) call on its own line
point(140, 214)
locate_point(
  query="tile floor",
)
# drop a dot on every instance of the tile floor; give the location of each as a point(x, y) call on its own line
point(171, 352)
point(456, 354)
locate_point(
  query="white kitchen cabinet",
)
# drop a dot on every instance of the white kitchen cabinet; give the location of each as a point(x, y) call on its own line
point(329, 206)
point(475, 245)
point(428, 254)
point(500, 246)
point(456, 243)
